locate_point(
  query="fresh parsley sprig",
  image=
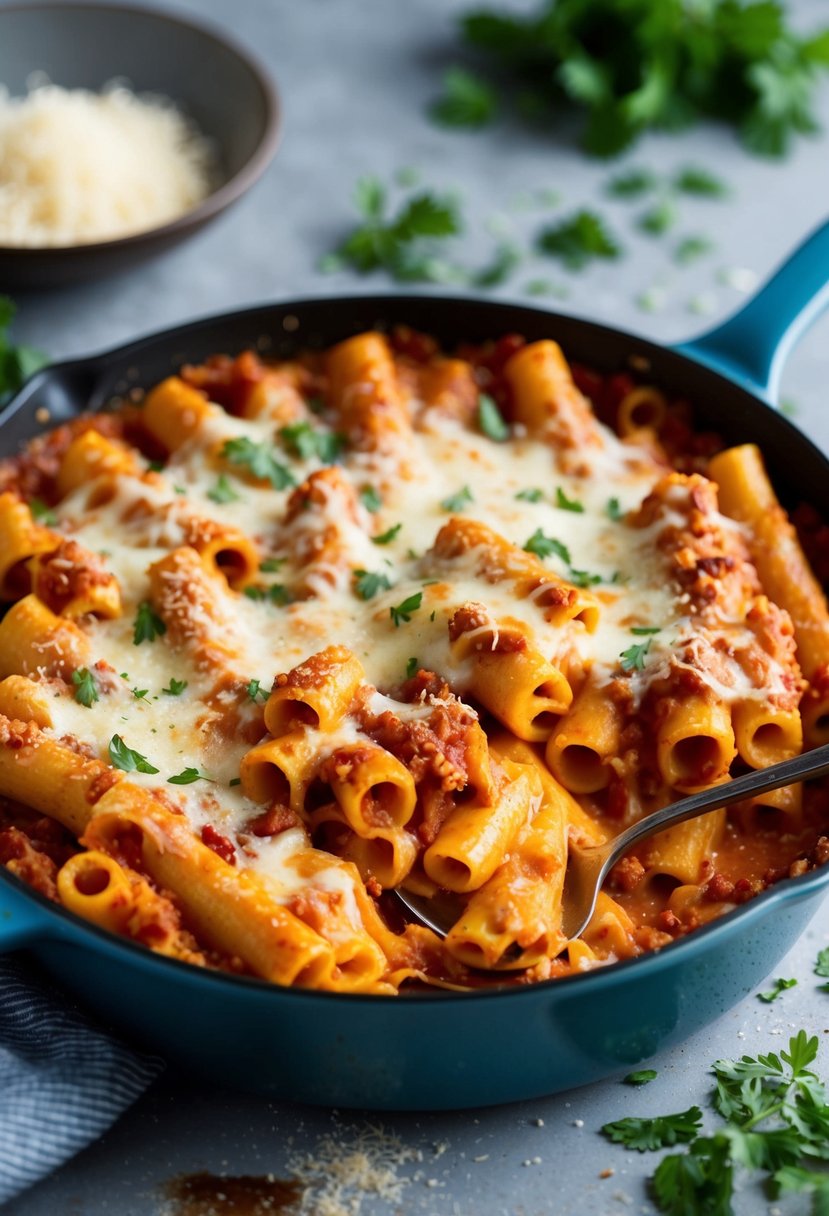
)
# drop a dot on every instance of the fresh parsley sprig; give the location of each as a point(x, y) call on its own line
point(86, 690)
point(467, 100)
point(259, 460)
point(125, 758)
point(578, 240)
point(148, 624)
point(402, 612)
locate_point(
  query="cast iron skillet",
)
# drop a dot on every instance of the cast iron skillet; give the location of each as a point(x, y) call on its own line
point(439, 1051)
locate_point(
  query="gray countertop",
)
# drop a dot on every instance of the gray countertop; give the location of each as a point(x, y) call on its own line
point(355, 76)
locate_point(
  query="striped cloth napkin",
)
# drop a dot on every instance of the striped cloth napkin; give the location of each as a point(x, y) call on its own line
point(63, 1080)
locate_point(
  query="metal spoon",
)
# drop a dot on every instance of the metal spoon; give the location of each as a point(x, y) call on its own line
point(588, 867)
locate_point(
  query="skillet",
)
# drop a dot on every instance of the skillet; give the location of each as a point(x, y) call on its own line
point(445, 1050)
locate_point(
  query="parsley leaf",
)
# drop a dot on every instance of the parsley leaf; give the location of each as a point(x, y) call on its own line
point(411, 668)
point(533, 494)
point(662, 1131)
point(259, 460)
point(368, 582)
point(691, 248)
point(633, 659)
point(403, 611)
point(255, 690)
point(386, 538)
point(467, 100)
point(86, 691)
point(693, 180)
point(125, 758)
point(148, 625)
point(370, 499)
point(614, 510)
point(822, 964)
point(223, 491)
point(632, 183)
point(457, 502)
point(658, 219)
point(780, 986)
point(568, 504)
point(642, 1077)
point(308, 442)
point(546, 546)
point(277, 593)
point(271, 564)
point(404, 244)
point(583, 578)
point(578, 240)
point(175, 688)
point(188, 776)
point(17, 362)
point(40, 512)
point(491, 420)
point(643, 630)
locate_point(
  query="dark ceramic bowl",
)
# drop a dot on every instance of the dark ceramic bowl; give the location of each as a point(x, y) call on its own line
point(210, 78)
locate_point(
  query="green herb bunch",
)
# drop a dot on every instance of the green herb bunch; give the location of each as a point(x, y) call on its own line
point(633, 65)
point(17, 362)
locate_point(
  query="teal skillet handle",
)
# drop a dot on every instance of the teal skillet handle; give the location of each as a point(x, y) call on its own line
point(751, 346)
point(22, 921)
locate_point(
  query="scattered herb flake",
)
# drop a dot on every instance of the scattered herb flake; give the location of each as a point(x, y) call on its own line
point(17, 362)
point(223, 491)
point(254, 690)
point(691, 248)
point(40, 512)
point(387, 537)
point(491, 420)
point(632, 183)
point(412, 668)
point(368, 582)
point(533, 494)
point(125, 758)
point(568, 504)
point(467, 100)
point(403, 611)
point(148, 625)
point(643, 630)
point(175, 688)
point(259, 460)
point(371, 499)
point(86, 691)
point(780, 986)
point(614, 510)
point(642, 1077)
point(657, 220)
point(188, 776)
point(583, 578)
point(459, 501)
point(693, 180)
point(633, 659)
point(578, 240)
point(822, 964)
point(309, 443)
point(546, 546)
point(271, 565)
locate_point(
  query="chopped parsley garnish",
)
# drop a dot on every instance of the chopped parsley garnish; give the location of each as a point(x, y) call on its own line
point(86, 691)
point(40, 512)
point(775, 1119)
point(309, 443)
point(412, 668)
point(175, 688)
point(568, 504)
point(180, 489)
point(254, 690)
point(632, 183)
point(491, 420)
point(403, 611)
point(633, 659)
point(693, 180)
point(457, 502)
point(579, 240)
point(780, 986)
point(271, 564)
point(235, 781)
point(533, 494)
point(691, 248)
point(223, 491)
point(402, 244)
point(642, 1077)
point(277, 593)
point(467, 100)
point(642, 631)
point(547, 546)
point(260, 462)
point(148, 625)
point(583, 578)
point(155, 466)
point(188, 776)
point(125, 758)
point(614, 510)
point(139, 693)
point(822, 964)
point(368, 582)
point(370, 499)
point(658, 219)
point(386, 538)
point(662, 1131)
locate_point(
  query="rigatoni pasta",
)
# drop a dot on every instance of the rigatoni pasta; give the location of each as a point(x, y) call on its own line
point(284, 637)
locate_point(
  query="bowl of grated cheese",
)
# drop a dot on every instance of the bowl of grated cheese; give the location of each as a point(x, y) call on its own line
point(122, 131)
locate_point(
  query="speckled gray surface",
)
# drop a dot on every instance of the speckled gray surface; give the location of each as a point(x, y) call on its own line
point(355, 76)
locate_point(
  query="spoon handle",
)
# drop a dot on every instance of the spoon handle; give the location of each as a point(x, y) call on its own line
point(788, 772)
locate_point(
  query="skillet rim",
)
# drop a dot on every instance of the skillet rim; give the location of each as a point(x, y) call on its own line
point(788, 889)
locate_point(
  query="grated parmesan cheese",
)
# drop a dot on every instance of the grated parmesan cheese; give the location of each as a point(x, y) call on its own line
point(341, 1173)
point(77, 166)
